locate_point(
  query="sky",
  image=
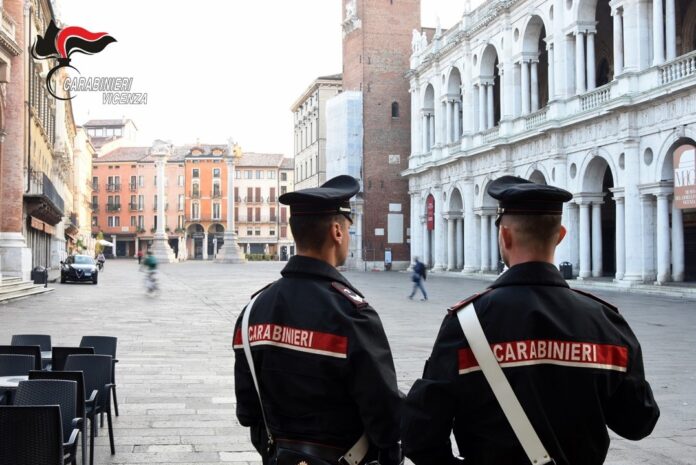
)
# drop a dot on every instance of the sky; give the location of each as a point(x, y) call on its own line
point(215, 69)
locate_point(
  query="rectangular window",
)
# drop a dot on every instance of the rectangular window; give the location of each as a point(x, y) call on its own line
point(257, 214)
point(250, 232)
point(216, 211)
point(133, 221)
point(258, 195)
point(110, 221)
point(283, 231)
point(236, 194)
point(273, 214)
point(141, 221)
point(283, 189)
point(95, 182)
point(195, 173)
point(155, 223)
point(180, 223)
point(95, 221)
point(195, 211)
point(283, 176)
point(133, 182)
point(257, 232)
point(155, 180)
point(216, 172)
point(196, 192)
point(95, 201)
point(181, 202)
point(117, 221)
point(181, 180)
point(217, 192)
point(141, 202)
point(271, 232)
point(110, 200)
point(250, 214)
point(250, 194)
point(283, 215)
point(271, 174)
point(156, 205)
point(272, 198)
point(133, 202)
point(259, 174)
point(248, 174)
point(236, 214)
point(141, 181)
point(238, 174)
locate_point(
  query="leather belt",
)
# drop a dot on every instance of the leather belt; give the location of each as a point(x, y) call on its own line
point(320, 451)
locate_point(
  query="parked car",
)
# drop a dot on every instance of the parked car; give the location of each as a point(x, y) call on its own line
point(79, 268)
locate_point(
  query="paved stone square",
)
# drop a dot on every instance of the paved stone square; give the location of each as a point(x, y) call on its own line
point(175, 376)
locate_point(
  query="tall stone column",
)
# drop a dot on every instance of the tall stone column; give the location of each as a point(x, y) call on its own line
point(677, 244)
point(535, 85)
point(524, 79)
point(580, 73)
point(633, 225)
point(426, 244)
point(485, 243)
point(552, 76)
point(591, 64)
point(671, 30)
point(573, 237)
point(482, 107)
point(460, 243)
point(137, 245)
point(230, 251)
point(457, 121)
point(490, 112)
point(585, 253)
point(648, 233)
point(448, 122)
point(426, 128)
point(471, 264)
point(618, 42)
point(620, 238)
point(113, 247)
point(494, 243)
point(663, 238)
point(160, 244)
point(596, 239)
point(205, 245)
point(440, 236)
point(451, 243)
point(658, 34)
point(431, 132)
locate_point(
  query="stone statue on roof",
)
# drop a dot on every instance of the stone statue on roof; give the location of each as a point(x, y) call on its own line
point(415, 41)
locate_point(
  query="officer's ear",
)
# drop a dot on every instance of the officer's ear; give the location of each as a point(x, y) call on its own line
point(561, 234)
point(336, 231)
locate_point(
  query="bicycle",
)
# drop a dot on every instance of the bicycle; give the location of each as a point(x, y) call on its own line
point(151, 285)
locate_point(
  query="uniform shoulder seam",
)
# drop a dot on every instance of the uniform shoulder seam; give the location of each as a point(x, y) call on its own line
point(594, 297)
point(353, 296)
point(262, 289)
point(463, 303)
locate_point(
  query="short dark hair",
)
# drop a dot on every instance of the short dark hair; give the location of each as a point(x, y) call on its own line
point(311, 232)
point(536, 231)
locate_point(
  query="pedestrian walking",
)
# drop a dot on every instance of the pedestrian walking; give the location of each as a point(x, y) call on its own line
point(418, 276)
point(529, 370)
point(322, 385)
point(140, 256)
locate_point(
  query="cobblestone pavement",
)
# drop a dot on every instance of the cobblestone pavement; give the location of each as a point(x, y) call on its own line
point(175, 376)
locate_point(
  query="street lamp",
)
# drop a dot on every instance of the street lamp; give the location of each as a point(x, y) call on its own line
point(230, 252)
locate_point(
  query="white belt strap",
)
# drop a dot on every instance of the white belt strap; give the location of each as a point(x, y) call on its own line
point(356, 453)
point(501, 387)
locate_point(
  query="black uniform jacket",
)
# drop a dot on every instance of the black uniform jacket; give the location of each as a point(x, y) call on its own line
point(572, 360)
point(323, 362)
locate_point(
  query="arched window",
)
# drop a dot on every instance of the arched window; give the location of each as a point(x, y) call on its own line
point(395, 109)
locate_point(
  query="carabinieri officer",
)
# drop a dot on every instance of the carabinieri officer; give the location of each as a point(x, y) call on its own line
point(322, 359)
point(571, 358)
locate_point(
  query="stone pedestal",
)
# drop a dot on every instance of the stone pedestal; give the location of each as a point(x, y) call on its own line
point(162, 250)
point(230, 251)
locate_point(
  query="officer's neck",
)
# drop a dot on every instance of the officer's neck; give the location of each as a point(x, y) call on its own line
point(517, 257)
point(326, 255)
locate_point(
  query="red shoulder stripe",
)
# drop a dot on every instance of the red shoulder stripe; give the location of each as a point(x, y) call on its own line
point(463, 303)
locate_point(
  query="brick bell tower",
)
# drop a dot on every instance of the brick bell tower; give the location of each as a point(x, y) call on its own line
point(377, 38)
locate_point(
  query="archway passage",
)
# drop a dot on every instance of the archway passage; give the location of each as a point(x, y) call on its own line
point(533, 73)
point(194, 245)
point(604, 45)
point(686, 26)
point(488, 109)
point(215, 239)
point(538, 177)
point(608, 226)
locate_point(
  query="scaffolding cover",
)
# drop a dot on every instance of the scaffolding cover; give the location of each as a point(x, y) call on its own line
point(344, 135)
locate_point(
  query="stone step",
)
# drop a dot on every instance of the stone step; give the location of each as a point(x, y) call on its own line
point(16, 287)
point(34, 290)
point(10, 281)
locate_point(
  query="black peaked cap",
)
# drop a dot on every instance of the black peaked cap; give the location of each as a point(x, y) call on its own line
point(518, 196)
point(331, 198)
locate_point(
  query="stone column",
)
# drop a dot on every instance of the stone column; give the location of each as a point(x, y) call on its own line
point(573, 236)
point(426, 244)
point(448, 122)
point(663, 237)
point(137, 245)
point(230, 251)
point(205, 245)
point(482, 107)
point(431, 132)
point(160, 244)
point(648, 232)
point(620, 238)
point(585, 253)
point(632, 225)
point(485, 243)
point(451, 243)
point(460, 243)
point(535, 85)
point(494, 243)
point(618, 42)
point(658, 38)
point(113, 247)
point(677, 244)
point(596, 239)
point(525, 86)
point(671, 30)
point(470, 256)
point(440, 233)
point(457, 121)
point(426, 128)
point(591, 65)
point(580, 62)
point(490, 112)
point(551, 78)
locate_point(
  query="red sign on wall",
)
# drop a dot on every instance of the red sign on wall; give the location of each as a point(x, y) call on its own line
point(430, 212)
point(685, 177)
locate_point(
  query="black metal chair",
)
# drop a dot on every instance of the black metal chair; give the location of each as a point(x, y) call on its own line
point(14, 365)
point(41, 340)
point(105, 345)
point(31, 435)
point(97, 372)
point(79, 378)
point(34, 351)
point(55, 392)
point(60, 355)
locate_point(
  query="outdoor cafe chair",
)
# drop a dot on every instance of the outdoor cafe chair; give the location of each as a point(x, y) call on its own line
point(79, 378)
point(34, 351)
point(97, 372)
point(105, 345)
point(55, 392)
point(60, 355)
point(14, 365)
point(31, 435)
point(41, 340)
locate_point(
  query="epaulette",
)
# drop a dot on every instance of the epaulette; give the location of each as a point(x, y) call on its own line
point(594, 297)
point(353, 296)
point(463, 303)
point(262, 289)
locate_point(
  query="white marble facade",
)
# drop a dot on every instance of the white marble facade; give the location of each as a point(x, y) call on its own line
point(591, 96)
